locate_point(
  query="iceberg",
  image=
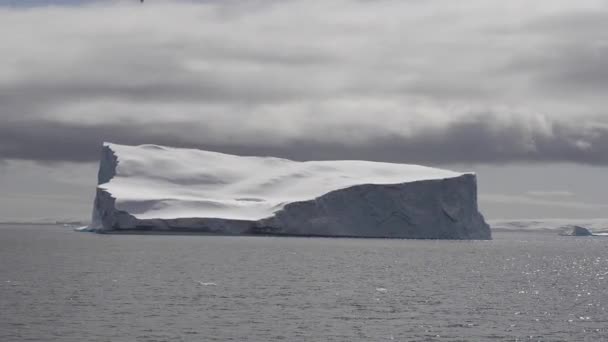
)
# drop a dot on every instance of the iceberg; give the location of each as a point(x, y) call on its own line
point(597, 226)
point(576, 231)
point(151, 188)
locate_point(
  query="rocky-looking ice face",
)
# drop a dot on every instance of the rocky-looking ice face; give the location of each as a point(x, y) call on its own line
point(152, 186)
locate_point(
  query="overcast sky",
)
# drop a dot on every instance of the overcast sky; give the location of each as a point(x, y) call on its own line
point(514, 90)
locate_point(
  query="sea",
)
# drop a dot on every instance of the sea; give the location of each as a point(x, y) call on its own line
point(57, 284)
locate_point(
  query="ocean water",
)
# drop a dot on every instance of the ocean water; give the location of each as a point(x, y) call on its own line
point(61, 285)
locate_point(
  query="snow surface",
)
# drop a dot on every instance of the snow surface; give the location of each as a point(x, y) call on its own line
point(161, 182)
point(152, 187)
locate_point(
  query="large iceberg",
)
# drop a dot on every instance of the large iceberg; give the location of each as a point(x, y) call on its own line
point(163, 189)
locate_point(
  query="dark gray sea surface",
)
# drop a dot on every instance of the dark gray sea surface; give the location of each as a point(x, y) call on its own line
point(61, 285)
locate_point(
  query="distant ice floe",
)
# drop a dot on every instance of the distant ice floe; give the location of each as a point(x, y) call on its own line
point(206, 284)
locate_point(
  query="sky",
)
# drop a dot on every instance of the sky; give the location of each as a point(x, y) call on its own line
point(513, 90)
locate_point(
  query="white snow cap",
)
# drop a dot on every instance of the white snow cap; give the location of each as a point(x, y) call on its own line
point(153, 181)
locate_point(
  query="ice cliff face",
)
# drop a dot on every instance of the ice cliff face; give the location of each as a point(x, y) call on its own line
point(158, 188)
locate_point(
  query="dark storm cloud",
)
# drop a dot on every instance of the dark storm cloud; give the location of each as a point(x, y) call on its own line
point(380, 80)
point(482, 139)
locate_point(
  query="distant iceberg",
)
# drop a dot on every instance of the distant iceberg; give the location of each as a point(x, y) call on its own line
point(576, 231)
point(598, 226)
point(163, 189)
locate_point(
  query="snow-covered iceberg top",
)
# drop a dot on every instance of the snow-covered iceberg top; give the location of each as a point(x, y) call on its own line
point(153, 188)
point(177, 182)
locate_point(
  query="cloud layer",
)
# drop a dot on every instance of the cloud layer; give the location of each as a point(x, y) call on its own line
point(429, 82)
